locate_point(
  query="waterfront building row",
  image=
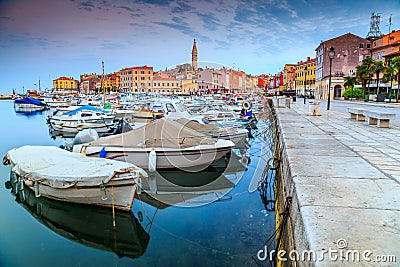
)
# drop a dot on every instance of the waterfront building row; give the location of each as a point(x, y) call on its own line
point(350, 51)
point(185, 78)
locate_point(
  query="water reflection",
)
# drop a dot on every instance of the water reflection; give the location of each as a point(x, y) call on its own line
point(188, 189)
point(88, 225)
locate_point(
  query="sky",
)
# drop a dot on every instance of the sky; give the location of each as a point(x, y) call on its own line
point(46, 39)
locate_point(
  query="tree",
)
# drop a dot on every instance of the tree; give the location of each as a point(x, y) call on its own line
point(389, 73)
point(377, 67)
point(396, 67)
point(363, 73)
point(352, 93)
point(349, 81)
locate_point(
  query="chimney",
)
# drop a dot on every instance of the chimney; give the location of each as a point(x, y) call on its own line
point(308, 58)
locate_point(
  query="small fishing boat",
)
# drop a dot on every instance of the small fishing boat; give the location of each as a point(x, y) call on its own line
point(161, 144)
point(58, 174)
point(146, 115)
point(82, 118)
point(235, 134)
point(28, 104)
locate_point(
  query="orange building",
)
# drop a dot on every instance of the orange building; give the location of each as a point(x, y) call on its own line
point(386, 45)
point(288, 77)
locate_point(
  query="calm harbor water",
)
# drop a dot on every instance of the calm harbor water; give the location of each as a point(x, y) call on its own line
point(225, 232)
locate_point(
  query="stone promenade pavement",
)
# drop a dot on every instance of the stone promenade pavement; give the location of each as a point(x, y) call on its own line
point(345, 186)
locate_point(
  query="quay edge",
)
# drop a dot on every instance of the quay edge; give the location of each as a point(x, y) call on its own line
point(334, 199)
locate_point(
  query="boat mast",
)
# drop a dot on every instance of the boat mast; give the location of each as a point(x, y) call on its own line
point(102, 81)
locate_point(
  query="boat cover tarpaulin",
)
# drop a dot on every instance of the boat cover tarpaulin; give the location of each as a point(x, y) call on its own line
point(29, 100)
point(210, 129)
point(59, 168)
point(161, 133)
point(87, 107)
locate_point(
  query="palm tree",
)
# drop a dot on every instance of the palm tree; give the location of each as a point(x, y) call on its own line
point(377, 67)
point(389, 73)
point(363, 73)
point(349, 81)
point(396, 67)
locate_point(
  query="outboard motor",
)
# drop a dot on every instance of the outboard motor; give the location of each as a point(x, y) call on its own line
point(122, 127)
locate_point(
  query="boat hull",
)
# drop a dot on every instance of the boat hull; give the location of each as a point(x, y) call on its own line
point(74, 127)
point(189, 159)
point(118, 193)
point(26, 108)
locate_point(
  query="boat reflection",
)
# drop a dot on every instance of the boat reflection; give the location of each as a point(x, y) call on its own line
point(188, 189)
point(89, 225)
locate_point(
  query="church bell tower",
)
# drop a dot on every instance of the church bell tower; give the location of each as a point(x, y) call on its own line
point(194, 56)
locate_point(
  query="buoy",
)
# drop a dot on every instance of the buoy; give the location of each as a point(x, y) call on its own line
point(103, 153)
point(152, 160)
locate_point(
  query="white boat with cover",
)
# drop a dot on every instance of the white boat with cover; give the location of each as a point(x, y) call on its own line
point(28, 104)
point(235, 134)
point(58, 174)
point(175, 146)
point(82, 118)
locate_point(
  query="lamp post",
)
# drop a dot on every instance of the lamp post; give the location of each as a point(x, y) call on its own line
point(305, 83)
point(331, 54)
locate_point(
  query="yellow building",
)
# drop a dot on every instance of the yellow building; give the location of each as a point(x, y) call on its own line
point(65, 83)
point(142, 79)
point(305, 76)
point(112, 81)
point(188, 82)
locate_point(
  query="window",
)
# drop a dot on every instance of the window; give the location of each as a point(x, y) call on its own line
point(368, 45)
point(361, 45)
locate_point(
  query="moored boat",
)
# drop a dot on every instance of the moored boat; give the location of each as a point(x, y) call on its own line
point(235, 134)
point(174, 146)
point(28, 104)
point(82, 118)
point(58, 174)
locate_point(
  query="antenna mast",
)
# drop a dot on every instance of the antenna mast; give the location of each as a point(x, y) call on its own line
point(374, 32)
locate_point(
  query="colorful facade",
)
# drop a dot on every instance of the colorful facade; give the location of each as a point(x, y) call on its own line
point(166, 85)
point(289, 77)
point(305, 77)
point(65, 83)
point(386, 45)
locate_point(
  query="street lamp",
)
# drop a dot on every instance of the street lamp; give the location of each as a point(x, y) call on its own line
point(331, 54)
point(305, 83)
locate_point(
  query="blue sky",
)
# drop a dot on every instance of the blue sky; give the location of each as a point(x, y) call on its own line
point(46, 39)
